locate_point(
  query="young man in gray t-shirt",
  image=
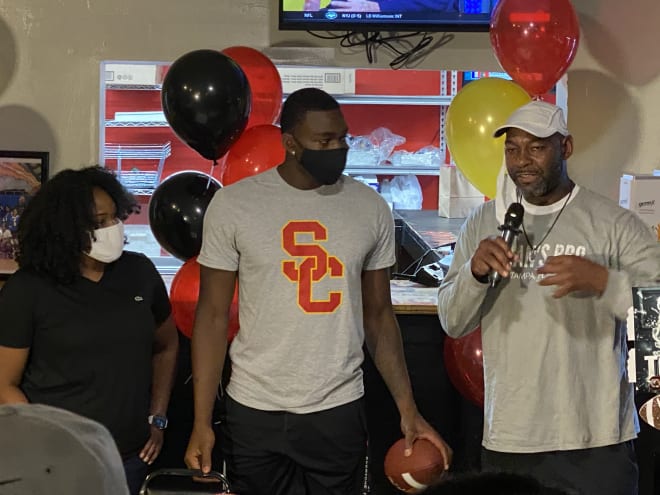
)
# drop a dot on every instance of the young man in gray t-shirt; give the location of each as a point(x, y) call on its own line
point(310, 249)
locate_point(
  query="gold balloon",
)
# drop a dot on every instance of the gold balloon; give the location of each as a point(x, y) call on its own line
point(474, 114)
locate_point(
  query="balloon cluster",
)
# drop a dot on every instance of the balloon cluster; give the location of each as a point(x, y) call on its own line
point(535, 42)
point(223, 104)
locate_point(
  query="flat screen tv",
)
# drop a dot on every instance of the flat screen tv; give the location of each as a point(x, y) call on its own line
point(386, 15)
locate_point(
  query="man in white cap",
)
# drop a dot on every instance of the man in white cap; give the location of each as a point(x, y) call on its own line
point(558, 404)
point(47, 450)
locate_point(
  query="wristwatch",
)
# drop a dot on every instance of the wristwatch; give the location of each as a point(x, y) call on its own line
point(158, 421)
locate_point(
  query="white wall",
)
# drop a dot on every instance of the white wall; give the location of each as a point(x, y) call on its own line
point(50, 51)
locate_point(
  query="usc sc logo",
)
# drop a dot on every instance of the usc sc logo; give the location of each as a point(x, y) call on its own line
point(316, 263)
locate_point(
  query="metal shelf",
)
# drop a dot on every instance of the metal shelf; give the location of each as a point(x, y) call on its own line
point(344, 99)
point(347, 99)
point(394, 100)
point(134, 87)
point(386, 170)
point(122, 123)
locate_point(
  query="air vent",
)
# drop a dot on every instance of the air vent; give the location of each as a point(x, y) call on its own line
point(332, 80)
point(130, 74)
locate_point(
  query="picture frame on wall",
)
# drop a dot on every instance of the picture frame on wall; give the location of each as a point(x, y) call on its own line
point(646, 308)
point(21, 175)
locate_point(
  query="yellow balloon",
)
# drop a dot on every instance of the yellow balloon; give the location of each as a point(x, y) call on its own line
point(474, 114)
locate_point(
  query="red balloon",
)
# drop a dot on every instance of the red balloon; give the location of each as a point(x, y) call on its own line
point(184, 294)
point(535, 41)
point(465, 365)
point(265, 84)
point(258, 149)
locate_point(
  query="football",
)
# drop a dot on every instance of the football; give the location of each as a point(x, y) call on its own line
point(650, 412)
point(413, 474)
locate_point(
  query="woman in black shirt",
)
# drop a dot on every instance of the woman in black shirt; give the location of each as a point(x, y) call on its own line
point(86, 325)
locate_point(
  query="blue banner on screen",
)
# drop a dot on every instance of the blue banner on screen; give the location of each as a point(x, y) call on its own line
point(393, 15)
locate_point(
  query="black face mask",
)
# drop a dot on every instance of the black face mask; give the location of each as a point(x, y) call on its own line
point(326, 166)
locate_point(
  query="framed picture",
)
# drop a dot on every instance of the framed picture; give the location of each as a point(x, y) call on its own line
point(21, 175)
point(646, 306)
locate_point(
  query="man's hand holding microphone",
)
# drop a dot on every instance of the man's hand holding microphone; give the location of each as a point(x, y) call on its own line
point(493, 258)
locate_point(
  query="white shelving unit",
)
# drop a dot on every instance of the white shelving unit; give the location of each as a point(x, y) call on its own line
point(114, 81)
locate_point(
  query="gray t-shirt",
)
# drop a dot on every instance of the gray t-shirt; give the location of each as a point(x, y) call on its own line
point(555, 374)
point(300, 255)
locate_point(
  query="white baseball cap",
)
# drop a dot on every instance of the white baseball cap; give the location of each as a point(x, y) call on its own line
point(49, 450)
point(539, 118)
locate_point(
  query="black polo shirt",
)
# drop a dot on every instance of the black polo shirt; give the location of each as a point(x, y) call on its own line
point(90, 342)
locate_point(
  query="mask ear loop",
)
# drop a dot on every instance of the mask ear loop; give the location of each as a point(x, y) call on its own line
point(92, 240)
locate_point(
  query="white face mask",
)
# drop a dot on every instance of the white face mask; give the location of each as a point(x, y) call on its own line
point(109, 243)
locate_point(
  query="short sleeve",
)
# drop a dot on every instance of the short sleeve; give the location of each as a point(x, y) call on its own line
point(219, 235)
point(17, 307)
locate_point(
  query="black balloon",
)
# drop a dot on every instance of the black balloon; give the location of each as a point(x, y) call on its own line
point(176, 212)
point(206, 100)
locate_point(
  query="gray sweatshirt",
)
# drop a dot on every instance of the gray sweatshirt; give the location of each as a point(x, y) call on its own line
point(555, 374)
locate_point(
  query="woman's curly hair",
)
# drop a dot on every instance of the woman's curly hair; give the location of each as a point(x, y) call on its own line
point(55, 229)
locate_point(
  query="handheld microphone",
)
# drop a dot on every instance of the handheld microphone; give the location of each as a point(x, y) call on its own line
point(510, 229)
